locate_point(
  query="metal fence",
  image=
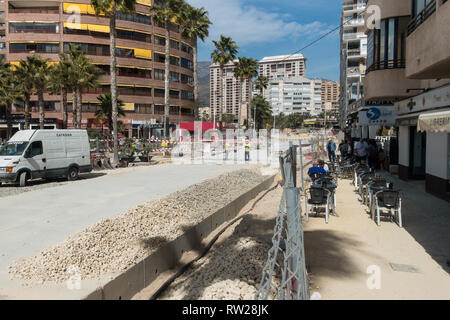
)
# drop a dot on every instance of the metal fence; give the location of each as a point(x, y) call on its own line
point(286, 258)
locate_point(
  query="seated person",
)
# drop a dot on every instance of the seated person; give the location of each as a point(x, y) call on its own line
point(323, 165)
point(316, 169)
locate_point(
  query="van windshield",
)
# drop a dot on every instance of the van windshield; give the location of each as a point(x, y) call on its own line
point(15, 148)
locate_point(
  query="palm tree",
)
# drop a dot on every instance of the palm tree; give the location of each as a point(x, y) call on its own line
point(9, 92)
point(195, 24)
point(110, 8)
point(225, 52)
point(24, 73)
point(239, 73)
point(261, 107)
point(61, 82)
point(84, 75)
point(261, 83)
point(105, 111)
point(167, 12)
point(246, 69)
point(41, 79)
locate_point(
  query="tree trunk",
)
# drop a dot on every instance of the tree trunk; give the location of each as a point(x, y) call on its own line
point(79, 106)
point(240, 102)
point(8, 121)
point(221, 94)
point(74, 108)
point(41, 108)
point(27, 111)
point(249, 100)
point(112, 49)
point(64, 106)
point(196, 106)
point(166, 78)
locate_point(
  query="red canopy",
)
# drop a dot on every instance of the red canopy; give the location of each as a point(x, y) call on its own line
point(190, 126)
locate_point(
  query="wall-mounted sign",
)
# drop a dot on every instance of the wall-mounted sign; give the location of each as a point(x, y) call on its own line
point(377, 116)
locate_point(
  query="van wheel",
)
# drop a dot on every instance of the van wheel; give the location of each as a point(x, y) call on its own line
point(73, 174)
point(23, 179)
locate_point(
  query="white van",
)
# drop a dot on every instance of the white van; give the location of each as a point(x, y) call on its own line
point(31, 154)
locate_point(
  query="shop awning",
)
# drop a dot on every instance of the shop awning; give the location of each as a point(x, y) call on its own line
point(437, 122)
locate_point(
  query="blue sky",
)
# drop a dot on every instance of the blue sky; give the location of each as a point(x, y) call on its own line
point(274, 27)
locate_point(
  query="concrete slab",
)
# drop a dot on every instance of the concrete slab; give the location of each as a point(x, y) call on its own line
point(32, 221)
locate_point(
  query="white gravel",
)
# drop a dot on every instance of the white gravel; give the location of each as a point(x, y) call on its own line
point(114, 245)
point(232, 271)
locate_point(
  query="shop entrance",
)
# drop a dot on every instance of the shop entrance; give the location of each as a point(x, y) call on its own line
point(417, 153)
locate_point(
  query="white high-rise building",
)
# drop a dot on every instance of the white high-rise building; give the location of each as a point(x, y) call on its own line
point(353, 53)
point(231, 90)
point(289, 91)
point(277, 67)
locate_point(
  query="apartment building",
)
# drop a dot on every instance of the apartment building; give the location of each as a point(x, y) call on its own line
point(48, 27)
point(229, 96)
point(285, 66)
point(353, 55)
point(295, 95)
point(409, 64)
point(330, 95)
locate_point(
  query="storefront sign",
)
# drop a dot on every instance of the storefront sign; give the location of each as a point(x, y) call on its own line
point(377, 116)
point(436, 121)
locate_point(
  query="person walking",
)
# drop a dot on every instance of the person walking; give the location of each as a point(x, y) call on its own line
point(372, 153)
point(361, 151)
point(247, 150)
point(331, 148)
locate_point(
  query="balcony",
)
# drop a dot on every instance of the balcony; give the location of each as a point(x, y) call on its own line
point(421, 17)
point(353, 35)
point(428, 43)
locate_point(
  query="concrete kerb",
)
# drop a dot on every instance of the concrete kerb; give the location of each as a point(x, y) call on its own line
point(127, 284)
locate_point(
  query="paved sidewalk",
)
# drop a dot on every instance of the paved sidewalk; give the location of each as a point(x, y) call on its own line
point(340, 253)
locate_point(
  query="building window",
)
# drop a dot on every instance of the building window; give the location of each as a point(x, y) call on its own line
point(139, 18)
point(142, 108)
point(386, 46)
point(133, 35)
point(187, 95)
point(90, 49)
point(160, 40)
point(421, 11)
point(186, 48)
point(188, 64)
point(34, 47)
point(31, 27)
point(159, 74)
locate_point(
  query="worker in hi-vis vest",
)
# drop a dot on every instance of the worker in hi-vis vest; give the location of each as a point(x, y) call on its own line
point(247, 150)
point(225, 154)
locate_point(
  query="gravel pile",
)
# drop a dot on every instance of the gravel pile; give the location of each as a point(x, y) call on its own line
point(232, 271)
point(113, 245)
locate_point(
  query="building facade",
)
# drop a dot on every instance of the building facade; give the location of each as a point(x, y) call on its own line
point(229, 96)
point(286, 66)
point(294, 95)
point(353, 55)
point(48, 28)
point(330, 95)
point(409, 64)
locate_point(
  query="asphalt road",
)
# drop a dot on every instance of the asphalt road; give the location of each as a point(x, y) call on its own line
point(32, 221)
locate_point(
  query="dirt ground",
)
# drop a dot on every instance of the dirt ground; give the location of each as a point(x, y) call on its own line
point(345, 257)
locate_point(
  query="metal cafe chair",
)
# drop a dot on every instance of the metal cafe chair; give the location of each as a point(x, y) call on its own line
point(359, 170)
point(364, 180)
point(389, 199)
point(372, 187)
point(318, 197)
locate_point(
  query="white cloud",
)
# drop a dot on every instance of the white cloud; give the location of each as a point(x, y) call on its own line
point(251, 25)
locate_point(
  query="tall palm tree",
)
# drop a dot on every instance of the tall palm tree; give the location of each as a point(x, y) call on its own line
point(245, 69)
point(61, 82)
point(166, 13)
point(105, 111)
point(261, 83)
point(224, 53)
point(110, 8)
point(263, 114)
point(9, 92)
point(239, 73)
point(41, 79)
point(195, 24)
point(24, 73)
